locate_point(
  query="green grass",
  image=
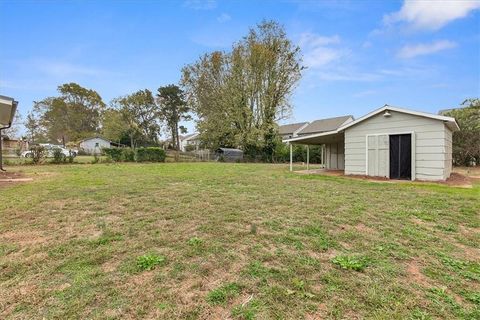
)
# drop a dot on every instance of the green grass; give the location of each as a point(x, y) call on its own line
point(245, 241)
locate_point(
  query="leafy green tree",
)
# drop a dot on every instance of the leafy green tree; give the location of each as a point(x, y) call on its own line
point(140, 114)
point(33, 128)
point(114, 126)
point(239, 96)
point(172, 110)
point(73, 115)
point(466, 142)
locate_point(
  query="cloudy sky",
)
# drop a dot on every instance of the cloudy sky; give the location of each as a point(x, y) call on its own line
point(424, 55)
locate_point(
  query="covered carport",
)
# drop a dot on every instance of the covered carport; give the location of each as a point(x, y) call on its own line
point(333, 148)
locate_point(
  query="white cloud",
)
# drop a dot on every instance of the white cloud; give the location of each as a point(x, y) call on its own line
point(431, 15)
point(319, 50)
point(411, 51)
point(224, 17)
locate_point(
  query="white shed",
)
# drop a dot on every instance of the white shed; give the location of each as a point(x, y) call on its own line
point(94, 145)
point(390, 142)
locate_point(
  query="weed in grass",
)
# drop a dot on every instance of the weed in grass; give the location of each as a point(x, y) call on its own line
point(195, 242)
point(351, 262)
point(467, 269)
point(253, 228)
point(473, 297)
point(419, 314)
point(149, 261)
point(247, 311)
point(223, 293)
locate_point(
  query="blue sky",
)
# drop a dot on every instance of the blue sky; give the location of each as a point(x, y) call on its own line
point(424, 55)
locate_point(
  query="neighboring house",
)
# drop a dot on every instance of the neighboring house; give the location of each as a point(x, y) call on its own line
point(324, 125)
point(389, 142)
point(94, 145)
point(288, 131)
point(190, 142)
point(13, 144)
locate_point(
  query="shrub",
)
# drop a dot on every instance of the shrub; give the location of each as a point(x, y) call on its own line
point(37, 154)
point(149, 261)
point(128, 155)
point(58, 156)
point(113, 154)
point(151, 154)
point(350, 263)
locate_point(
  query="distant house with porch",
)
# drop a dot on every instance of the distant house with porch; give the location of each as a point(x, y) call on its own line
point(389, 142)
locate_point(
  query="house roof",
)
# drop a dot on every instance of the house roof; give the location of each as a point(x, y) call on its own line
point(290, 128)
point(189, 136)
point(449, 121)
point(91, 138)
point(325, 125)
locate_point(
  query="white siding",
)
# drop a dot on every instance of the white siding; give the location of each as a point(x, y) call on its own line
point(448, 152)
point(430, 138)
point(90, 146)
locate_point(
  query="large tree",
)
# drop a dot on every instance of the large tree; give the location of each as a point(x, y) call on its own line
point(466, 142)
point(240, 95)
point(74, 114)
point(140, 115)
point(173, 109)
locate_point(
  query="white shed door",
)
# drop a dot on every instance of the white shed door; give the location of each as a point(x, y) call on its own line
point(378, 155)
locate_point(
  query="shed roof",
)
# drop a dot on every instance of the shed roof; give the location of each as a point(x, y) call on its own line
point(290, 128)
point(325, 125)
point(449, 121)
point(91, 138)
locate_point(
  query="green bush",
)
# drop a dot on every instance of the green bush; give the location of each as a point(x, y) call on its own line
point(151, 154)
point(37, 154)
point(113, 154)
point(58, 156)
point(128, 155)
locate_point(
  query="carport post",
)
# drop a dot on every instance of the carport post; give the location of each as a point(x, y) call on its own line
point(291, 157)
point(308, 156)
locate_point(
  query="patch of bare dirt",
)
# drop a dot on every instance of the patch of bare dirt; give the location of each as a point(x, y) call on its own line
point(415, 275)
point(23, 238)
point(9, 178)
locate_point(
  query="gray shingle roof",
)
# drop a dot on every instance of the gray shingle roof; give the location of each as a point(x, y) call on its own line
point(290, 128)
point(323, 125)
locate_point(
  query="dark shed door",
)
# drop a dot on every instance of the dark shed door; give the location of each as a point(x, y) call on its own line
point(401, 156)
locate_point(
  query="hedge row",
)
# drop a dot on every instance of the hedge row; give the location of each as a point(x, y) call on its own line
point(150, 154)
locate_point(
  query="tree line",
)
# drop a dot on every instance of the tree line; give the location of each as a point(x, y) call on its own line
point(134, 120)
point(238, 97)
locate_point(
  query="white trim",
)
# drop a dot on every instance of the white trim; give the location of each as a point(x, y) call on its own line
point(300, 138)
point(401, 110)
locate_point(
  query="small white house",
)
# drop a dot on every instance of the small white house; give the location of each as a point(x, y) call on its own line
point(389, 142)
point(94, 145)
point(191, 141)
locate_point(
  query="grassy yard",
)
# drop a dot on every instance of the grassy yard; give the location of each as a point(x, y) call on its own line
point(246, 241)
